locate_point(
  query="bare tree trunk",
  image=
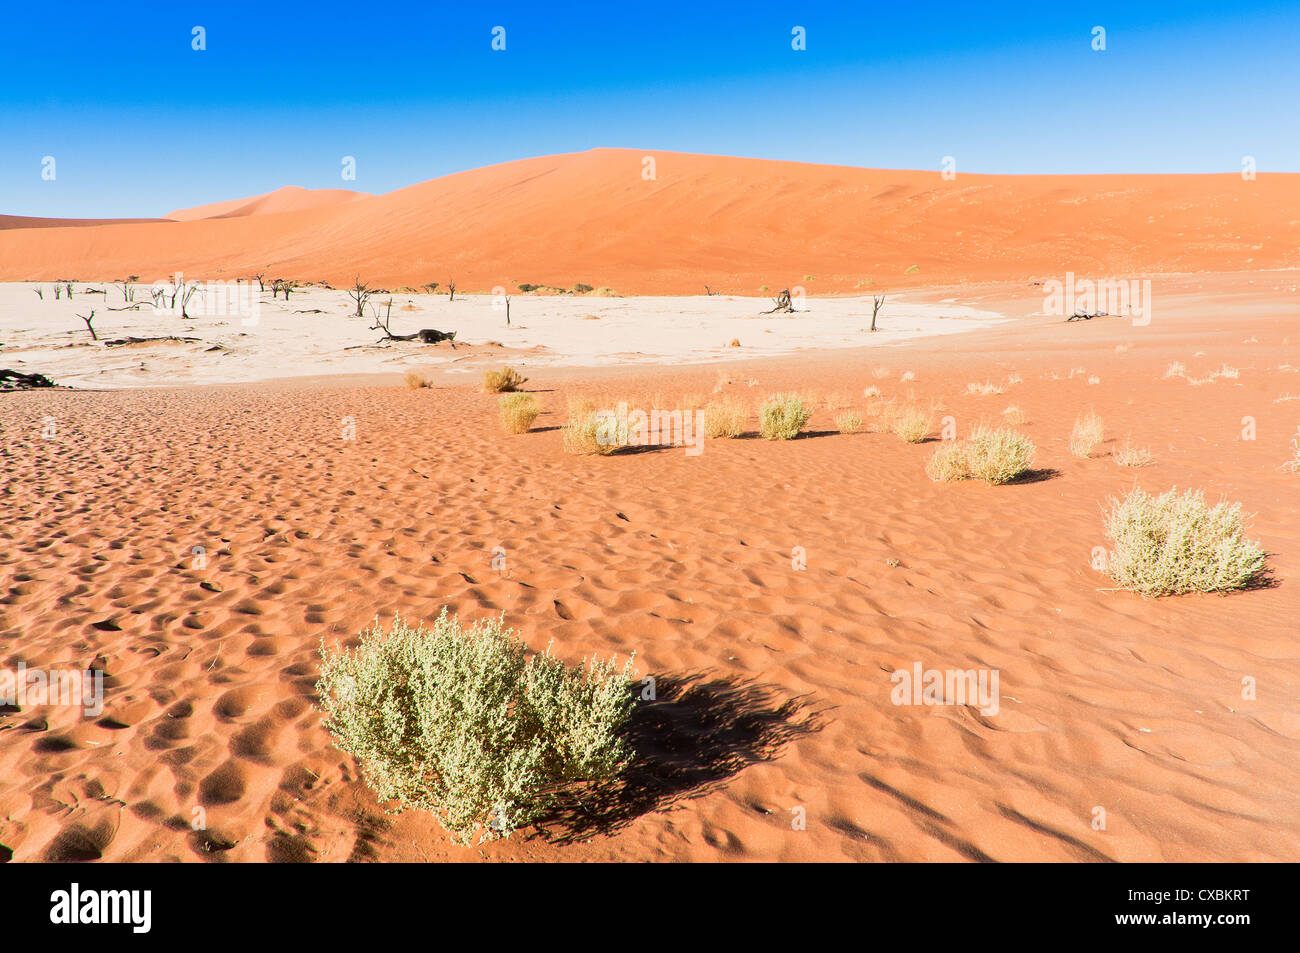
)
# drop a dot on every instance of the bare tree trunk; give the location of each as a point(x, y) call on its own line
point(89, 328)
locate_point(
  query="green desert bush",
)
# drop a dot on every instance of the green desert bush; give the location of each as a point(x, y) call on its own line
point(998, 456)
point(467, 724)
point(518, 411)
point(725, 418)
point(1172, 544)
point(582, 289)
point(782, 416)
point(994, 456)
point(503, 381)
point(912, 424)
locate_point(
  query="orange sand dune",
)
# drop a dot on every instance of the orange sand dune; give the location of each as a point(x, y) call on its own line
point(735, 224)
point(291, 198)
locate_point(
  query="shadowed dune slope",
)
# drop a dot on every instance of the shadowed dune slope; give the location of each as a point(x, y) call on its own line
point(736, 224)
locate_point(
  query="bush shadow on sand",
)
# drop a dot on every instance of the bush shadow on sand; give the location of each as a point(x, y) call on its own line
point(701, 731)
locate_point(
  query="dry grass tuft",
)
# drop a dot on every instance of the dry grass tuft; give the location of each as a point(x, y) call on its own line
point(1087, 435)
point(518, 411)
point(418, 379)
point(726, 418)
point(503, 381)
point(1015, 416)
point(1131, 456)
point(913, 424)
point(849, 421)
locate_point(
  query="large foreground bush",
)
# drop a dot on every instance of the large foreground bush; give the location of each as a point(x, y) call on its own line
point(469, 725)
point(1171, 544)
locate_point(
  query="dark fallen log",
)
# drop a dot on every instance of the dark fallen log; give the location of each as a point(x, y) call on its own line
point(424, 335)
point(1084, 316)
point(17, 380)
point(118, 342)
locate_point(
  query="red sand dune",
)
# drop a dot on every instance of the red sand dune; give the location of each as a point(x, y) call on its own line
point(291, 198)
point(736, 224)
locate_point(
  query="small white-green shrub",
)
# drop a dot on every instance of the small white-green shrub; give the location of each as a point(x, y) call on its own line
point(468, 725)
point(1171, 544)
point(782, 416)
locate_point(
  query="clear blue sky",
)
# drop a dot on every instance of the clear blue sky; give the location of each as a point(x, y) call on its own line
point(139, 123)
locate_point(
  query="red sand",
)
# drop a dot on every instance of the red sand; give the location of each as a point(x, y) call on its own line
point(1108, 700)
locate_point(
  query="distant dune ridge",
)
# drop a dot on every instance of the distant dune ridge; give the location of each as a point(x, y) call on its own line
point(734, 224)
point(291, 198)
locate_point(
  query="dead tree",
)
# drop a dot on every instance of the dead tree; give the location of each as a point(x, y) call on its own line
point(507, 310)
point(360, 294)
point(451, 290)
point(424, 335)
point(877, 302)
point(185, 290)
point(40, 292)
point(128, 289)
point(431, 287)
point(58, 291)
point(782, 303)
point(261, 280)
point(69, 289)
point(89, 327)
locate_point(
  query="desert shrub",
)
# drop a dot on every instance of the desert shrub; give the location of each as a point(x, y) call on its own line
point(948, 463)
point(1175, 369)
point(994, 456)
point(1015, 416)
point(983, 390)
point(417, 379)
point(725, 418)
point(1087, 433)
point(998, 456)
point(1171, 544)
point(782, 416)
point(527, 287)
point(596, 432)
point(870, 392)
point(849, 421)
point(582, 289)
point(1131, 456)
point(1293, 465)
point(468, 725)
point(503, 381)
point(518, 411)
point(912, 424)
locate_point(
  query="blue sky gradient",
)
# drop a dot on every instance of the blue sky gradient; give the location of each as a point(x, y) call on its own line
point(139, 123)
